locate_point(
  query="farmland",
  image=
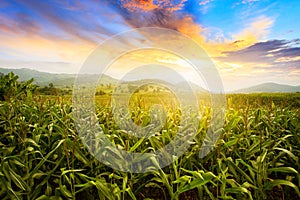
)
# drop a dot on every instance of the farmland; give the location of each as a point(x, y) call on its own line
point(42, 157)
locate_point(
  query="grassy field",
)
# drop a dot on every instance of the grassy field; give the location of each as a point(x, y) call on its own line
point(42, 157)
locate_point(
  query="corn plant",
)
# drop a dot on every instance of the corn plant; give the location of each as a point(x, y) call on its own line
point(42, 156)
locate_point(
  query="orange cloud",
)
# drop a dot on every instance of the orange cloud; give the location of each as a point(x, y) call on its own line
point(161, 13)
point(149, 5)
point(143, 5)
point(187, 26)
point(257, 29)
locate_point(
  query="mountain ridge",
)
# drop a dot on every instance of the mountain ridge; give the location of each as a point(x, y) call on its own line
point(67, 80)
point(58, 79)
point(270, 87)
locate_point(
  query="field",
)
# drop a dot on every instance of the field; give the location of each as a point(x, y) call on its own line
point(42, 157)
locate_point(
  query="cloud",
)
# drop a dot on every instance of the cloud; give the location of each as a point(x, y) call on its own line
point(205, 2)
point(245, 2)
point(154, 14)
point(160, 13)
point(214, 41)
point(19, 23)
point(249, 1)
point(55, 32)
point(265, 52)
point(66, 22)
point(67, 19)
point(257, 29)
point(150, 5)
point(271, 60)
point(24, 47)
point(205, 6)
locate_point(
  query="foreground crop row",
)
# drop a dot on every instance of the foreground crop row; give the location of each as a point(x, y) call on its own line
point(257, 155)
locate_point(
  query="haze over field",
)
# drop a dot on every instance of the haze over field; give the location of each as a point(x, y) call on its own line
point(67, 81)
point(250, 41)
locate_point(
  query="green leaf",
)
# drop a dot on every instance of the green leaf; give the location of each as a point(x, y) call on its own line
point(270, 185)
point(63, 189)
point(283, 170)
point(136, 145)
point(183, 179)
point(194, 184)
point(17, 179)
point(230, 162)
point(289, 153)
point(45, 159)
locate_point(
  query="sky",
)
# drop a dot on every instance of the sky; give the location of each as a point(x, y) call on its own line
point(249, 41)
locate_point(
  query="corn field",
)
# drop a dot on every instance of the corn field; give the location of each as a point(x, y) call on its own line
point(42, 157)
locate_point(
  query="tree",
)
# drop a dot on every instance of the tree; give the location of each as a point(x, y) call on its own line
point(49, 90)
point(100, 92)
point(10, 88)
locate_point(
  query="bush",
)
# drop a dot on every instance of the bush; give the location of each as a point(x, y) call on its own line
point(10, 88)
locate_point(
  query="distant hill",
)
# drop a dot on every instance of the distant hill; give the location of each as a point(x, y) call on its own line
point(63, 80)
point(146, 81)
point(269, 87)
point(180, 87)
point(186, 87)
point(58, 80)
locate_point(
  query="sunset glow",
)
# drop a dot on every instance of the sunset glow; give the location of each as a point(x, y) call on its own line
point(250, 41)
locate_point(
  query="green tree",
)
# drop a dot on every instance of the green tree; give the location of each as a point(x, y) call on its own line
point(11, 88)
point(49, 90)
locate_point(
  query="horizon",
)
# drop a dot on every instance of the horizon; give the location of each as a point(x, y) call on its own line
point(256, 41)
point(170, 81)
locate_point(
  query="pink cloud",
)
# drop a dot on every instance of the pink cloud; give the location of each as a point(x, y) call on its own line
point(204, 2)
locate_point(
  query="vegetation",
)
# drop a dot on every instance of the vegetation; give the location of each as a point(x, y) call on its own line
point(10, 88)
point(257, 156)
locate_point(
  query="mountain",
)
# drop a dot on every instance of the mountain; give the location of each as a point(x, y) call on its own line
point(180, 87)
point(59, 80)
point(64, 80)
point(183, 86)
point(269, 87)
